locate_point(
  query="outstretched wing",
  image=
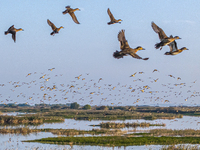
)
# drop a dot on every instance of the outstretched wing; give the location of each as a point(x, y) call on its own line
point(13, 35)
point(110, 15)
point(51, 24)
point(74, 17)
point(173, 46)
point(11, 28)
point(67, 7)
point(122, 40)
point(134, 55)
point(161, 33)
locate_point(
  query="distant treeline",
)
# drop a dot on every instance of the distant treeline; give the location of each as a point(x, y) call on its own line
point(194, 111)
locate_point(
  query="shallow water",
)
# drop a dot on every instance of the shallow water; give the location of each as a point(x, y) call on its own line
point(187, 122)
point(13, 141)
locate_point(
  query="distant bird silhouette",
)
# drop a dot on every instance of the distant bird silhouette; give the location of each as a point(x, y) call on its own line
point(125, 48)
point(71, 13)
point(174, 50)
point(54, 28)
point(12, 30)
point(165, 40)
point(112, 19)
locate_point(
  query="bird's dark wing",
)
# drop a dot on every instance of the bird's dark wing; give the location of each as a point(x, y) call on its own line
point(110, 15)
point(67, 7)
point(122, 40)
point(173, 46)
point(74, 17)
point(11, 28)
point(134, 55)
point(13, 35)
point(65, 12)
point(51, 24)
point(161, 33)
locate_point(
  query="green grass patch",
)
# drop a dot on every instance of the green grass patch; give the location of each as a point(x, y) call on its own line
point(119, 140)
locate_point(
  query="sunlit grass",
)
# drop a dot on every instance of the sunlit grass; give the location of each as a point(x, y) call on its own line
point(119, 140)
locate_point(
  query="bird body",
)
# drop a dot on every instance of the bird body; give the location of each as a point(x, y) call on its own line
point(165, 40)
point(174, 49)
point(112, 19)
point(71, 13)
point(125, 48)
point(12, 30)
point(54, 28)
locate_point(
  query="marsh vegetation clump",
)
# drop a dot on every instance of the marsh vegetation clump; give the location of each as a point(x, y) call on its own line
point(28, 119)
point(123, 125)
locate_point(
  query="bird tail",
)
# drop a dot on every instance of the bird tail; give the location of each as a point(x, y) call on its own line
point(117, 55)
point(145, 58)
point(158, 45)
point(52, 33)
point(6, 32)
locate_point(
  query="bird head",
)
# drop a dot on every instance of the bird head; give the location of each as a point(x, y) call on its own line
point(177, 37)
point(140, 48)
point(184, 48)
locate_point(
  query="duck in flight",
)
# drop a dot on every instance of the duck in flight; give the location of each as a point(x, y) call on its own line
point(112, 18)
point(54, 28)
point(165, 40)
point(71, 13)
point(174, 49)
point(125, 48)
point(12, 30)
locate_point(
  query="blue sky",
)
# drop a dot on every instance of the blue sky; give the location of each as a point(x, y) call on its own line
point(88, 48)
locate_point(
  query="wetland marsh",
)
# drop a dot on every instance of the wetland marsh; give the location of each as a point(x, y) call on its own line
point(119, 133)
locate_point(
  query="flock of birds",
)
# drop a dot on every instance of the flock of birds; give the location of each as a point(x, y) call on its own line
point(48, 87)
point(124, 46)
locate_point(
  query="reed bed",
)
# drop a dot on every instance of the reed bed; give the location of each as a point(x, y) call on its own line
point(123, 125)
point(68, 132)
point(170, 132)
point(31, 119)
point(110, 115)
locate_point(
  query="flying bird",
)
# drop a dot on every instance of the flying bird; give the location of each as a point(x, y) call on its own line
point(165, 40)
point(174, 49)
point(71, 13)
point(112, 18)
point(54, 28)
point(125, 48)
point(12, 30)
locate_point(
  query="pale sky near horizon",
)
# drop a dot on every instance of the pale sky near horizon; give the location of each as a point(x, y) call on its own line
point(88, 48)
